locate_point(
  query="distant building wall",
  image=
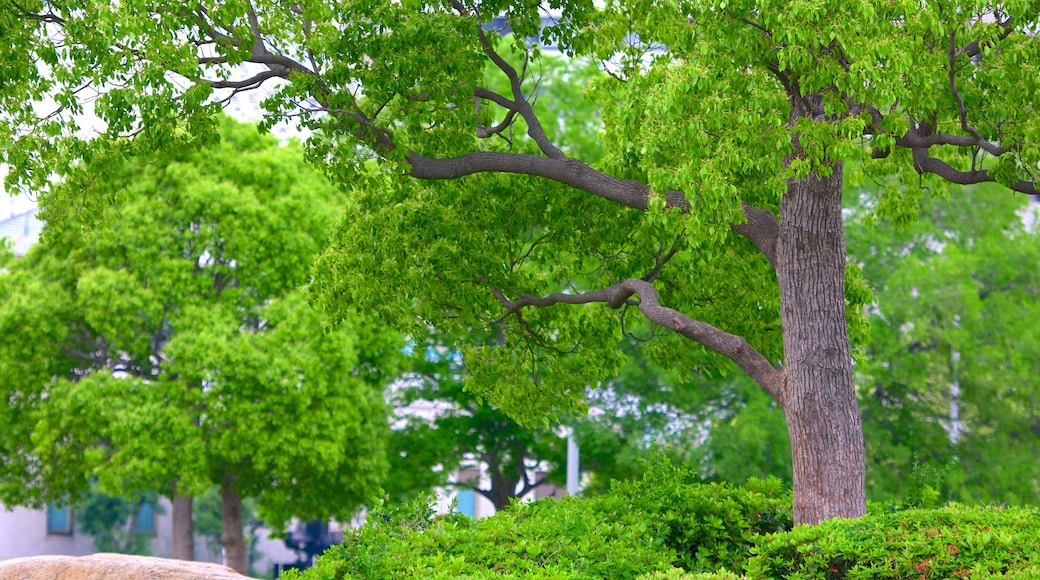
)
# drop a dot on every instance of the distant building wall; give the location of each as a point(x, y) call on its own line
point(23, 532)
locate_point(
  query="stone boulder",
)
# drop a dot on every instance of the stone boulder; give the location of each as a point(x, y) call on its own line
point(111, 567)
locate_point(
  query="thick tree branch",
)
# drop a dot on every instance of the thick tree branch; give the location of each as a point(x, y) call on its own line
point(731, 346)
point(564, 170)
point(249, 83)
point(761, 228)
point(912, 139)
point(921, 136)
point(530, 485)
point(485, 132)
point(974, 48)
point(953, 175)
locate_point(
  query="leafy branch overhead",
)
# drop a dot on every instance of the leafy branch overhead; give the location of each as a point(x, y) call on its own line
point(713, 118)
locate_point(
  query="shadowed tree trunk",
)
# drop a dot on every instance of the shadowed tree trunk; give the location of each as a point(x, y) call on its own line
point(232, 536)
point(183, 530)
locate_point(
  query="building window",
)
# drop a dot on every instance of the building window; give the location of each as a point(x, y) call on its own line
point(145, 519)
point(59, 519)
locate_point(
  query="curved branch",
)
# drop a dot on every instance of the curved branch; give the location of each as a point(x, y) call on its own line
point(567, 171)
point(912, 140)
point(949, 173)
point(921, 136)
point(534, 125)
point(731, 346)
point(761, 228)
point(249, 83)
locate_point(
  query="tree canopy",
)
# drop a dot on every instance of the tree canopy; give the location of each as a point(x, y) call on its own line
point(176, 350)
point(715, 212)
point(949, 375)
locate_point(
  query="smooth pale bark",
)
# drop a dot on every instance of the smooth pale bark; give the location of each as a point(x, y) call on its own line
point(183, 528)
point(231, 535)
point(819, 400)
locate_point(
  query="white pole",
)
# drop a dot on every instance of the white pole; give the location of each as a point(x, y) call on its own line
point(572, 465)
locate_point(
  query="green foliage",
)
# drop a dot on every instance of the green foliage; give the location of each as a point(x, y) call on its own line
point(111, 521)
point(707, 525)
point(176, 345)
point(947, 542)
point(727, 101)
point(571, 538)
point(657, 537)
point(660, 522)
point(955, 306)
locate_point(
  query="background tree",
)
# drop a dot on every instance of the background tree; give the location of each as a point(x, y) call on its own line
point(716, 212)
point(723, 427)
point(949, 378)
point(208, 517)
point(113, 521)
point(469, 433)
point(175, 352)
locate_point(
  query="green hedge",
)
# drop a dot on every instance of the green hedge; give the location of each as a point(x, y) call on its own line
point(669, 527)
point(709, 526)
point(571, 538)
point(666, 520)
point(952, 541)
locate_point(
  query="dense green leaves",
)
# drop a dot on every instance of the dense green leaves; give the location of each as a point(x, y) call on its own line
point(949, 378)
point(666, 519)
point(176, 346)
point(706, 106)
point(666, 526)
point(947, 542)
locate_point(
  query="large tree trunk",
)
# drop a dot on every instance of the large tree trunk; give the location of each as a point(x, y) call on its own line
point(231, 534)
point(820, 399)
point(183, 528)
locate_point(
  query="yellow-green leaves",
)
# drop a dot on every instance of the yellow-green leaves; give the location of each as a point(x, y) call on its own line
point(164, 338)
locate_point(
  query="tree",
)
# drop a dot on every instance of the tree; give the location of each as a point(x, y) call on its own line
point(716, 212)
point(208, 518)
point(949, 376)
point(465, 431)
point(113, 521)
point(176, 351)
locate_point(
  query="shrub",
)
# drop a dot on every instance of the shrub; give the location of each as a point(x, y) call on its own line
point(647, 527)
point(948, 542)
point(569, 539)
point(709, 526)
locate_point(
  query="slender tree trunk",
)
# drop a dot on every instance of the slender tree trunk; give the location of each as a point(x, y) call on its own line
point(820, 399)
point(231, 534)
point(183, 528)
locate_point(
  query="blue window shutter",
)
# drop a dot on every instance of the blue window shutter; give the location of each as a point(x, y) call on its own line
point(59, 519)
point(145, 519)
point(467, 502)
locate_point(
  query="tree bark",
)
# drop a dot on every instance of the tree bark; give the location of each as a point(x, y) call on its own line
point(183, 528)
point(231, 535)
point(819, 400)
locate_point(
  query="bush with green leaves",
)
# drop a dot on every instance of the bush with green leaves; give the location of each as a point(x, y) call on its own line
point(709, 526)
point(648, 527)
point(952, 541)
point(573, 538)
point(669, 526)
